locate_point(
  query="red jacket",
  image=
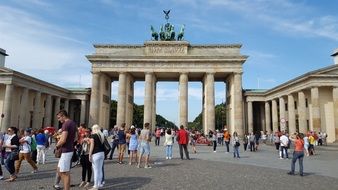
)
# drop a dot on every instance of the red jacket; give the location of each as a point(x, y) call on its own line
point(183, 137)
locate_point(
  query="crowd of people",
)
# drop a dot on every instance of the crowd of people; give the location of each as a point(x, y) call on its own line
point(88, 144)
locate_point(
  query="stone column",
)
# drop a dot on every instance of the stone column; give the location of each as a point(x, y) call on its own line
point(48, 110)
point(129, 100)
point(94, 106)
point(262, 116)
point(282, 114)
point(238, 104)
point(183, 99)
point(267, 118)
point(274, 116)
point(148, 95)
point(37, 111)
point(56, 110)
point(302, 112)
point(209, 101)
point(291, 114)
point(153, 111)
point(83, 111)
point(315, 109)
point(121, 103)
point(250, 117)
point(7, 107)
point(335, 112)
point(66, 105)
point(23, 111)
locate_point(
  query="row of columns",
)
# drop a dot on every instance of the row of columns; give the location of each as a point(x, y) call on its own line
point(301, 111)
point(37, 114)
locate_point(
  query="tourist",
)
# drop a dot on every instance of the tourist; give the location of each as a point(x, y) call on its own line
point(133, 144)
point(227, 137)
point(277, 141)
point(284, 143)
point(257, 139)
point(320, 139)
point(41, 146)
point(298, 154)
point(193, 139)
point(66, 143)
point(236, 144)
point(252, 139)
point(144, 148)
point(122, 142)
point(114, 141)
point(264, 136)
point(183, 139)
point(214, 139)
point(311, 144)
point(2, 136)
point(168, 143)
point(25, 152)
point(96, 155)
point(11, 146)
point(306, 145)
point(84, 159)
point(128, 135)
point(158, 136)
point(34, 150)
point(245, 141)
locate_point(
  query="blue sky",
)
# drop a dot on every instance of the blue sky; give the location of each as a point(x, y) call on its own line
point(283, 39)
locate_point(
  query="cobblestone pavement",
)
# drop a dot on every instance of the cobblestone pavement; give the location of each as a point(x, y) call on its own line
point(206, 170)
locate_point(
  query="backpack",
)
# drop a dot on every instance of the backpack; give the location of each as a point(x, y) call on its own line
point(33, 144)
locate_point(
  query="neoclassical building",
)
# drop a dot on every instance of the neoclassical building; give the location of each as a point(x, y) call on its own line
point(26, 101)
point(306, 103)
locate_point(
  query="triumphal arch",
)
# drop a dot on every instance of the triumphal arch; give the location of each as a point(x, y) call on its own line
point(165, 58)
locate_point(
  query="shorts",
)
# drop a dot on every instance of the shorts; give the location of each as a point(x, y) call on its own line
point(122, 148)
point(144, 149)
point(65, 161)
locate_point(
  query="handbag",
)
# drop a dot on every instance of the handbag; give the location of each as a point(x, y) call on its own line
point(106, 146)
point(237, 143)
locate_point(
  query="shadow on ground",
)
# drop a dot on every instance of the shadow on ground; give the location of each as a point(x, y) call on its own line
point(126, 183)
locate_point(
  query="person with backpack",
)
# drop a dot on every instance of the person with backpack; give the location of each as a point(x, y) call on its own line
point(25, 152)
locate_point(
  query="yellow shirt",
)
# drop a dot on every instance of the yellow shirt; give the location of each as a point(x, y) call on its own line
point(311, 140)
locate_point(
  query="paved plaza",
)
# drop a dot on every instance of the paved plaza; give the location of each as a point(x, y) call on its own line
point(206, 170)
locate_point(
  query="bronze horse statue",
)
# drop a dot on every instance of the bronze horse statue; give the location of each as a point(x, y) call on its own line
point(180, 35)
point(154, 34)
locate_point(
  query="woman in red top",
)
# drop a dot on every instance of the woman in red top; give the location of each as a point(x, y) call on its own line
point(298, 154)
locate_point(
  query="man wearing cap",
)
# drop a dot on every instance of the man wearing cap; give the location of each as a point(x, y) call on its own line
point(25, 152)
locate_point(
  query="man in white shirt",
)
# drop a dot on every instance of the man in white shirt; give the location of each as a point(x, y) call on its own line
point(284, 144)
point(25, 152)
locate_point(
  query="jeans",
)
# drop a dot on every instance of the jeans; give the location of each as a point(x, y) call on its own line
point(157, 141)
point(113, 146)
point(227, 145)
point(297, 155)
point(97, 167)
point(236, 151)
point(214, 145)
point(9, 164)
point(284, 149)
point(181, 147)
point(252, 146)
point(86, 168)
point(169, 151)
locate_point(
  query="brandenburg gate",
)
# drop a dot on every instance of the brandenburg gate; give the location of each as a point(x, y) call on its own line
point(166, 61)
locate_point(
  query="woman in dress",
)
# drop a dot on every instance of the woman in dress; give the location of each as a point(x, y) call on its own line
point(133, 144)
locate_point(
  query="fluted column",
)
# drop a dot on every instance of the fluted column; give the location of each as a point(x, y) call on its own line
point(302, 112)
point(129, 100)
point(7, 107)
point(262, 116)
point(48, 111)
point(274, 116)
point(83, 111)
point(94, 100)
point(315, 109)
point(209, 101)
point(37, 111)
point(148, 94)
point(335, 112)
point(183, 99)
point(267, 117)
point(23, 111)
point(153, 111)
point(282, 114)
point(250, 117)
point(291, 114)
point(121, 103)
point(66, 105)
point(56, 110)
point(238, 104)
